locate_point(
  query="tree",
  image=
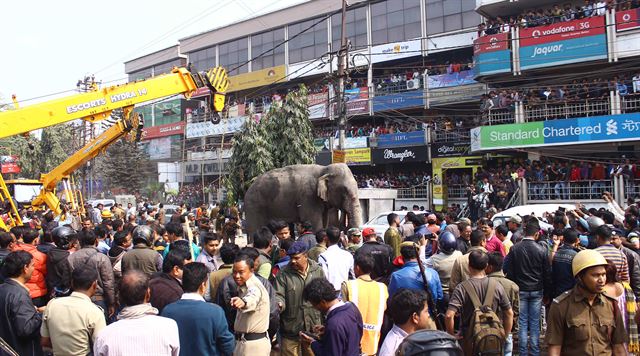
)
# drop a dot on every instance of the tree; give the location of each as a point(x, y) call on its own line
point(281, 138)
point(125, 165)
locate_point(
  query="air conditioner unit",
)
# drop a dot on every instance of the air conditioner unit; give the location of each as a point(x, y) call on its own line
point(413, 84)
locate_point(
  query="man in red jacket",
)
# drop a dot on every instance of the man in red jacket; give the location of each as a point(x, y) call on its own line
point(37, 284)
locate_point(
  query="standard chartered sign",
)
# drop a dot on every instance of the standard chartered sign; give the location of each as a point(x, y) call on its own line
point(556, 132)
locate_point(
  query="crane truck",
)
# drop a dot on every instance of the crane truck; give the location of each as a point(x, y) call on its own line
point(96, 105)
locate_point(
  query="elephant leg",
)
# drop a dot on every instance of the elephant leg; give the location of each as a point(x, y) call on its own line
point(333, 218)
point(312, 215)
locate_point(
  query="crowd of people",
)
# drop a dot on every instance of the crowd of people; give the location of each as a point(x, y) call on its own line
point(392, 180)
point(554, 14)
point(368, 129)
point(396, 81)
point(129, 281)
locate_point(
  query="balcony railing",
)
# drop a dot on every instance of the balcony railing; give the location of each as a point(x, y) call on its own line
point(630, 103)
point(456, 191)
point(498, 117)
point(566, 110)
point(561, 190)
point(421, 191)
point(453, 135)
point(632, 188)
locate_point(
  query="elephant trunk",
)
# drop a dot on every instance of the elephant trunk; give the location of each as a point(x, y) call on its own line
point(354, 214)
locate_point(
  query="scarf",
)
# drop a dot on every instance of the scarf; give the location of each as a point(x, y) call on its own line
point(137, 311)
point(634, 340)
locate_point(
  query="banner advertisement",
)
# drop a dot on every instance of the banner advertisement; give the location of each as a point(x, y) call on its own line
point(398, 101)
point(564, 42)
point(163, 130)
point(9, 164)
point(203, 129)
point(464, 77)
point(440, 166)
point(397, 50)
point(349, 142)
point(257, 78)
point(595, 129)
point(211, 155)
point(399, 155)
point(628, 19)
point(492, 54)
point(159, 148)
point(354, 156)
point(450, 149)
point(357, 101)
point(318, 111)
point(323, 158)
point(318, 98)
point(415, 138)
point(319, 144)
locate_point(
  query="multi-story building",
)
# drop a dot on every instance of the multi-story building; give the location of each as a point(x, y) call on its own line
point(566, 96)
point(411, 77)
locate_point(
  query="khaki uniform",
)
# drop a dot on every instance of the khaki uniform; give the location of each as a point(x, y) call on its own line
point(253, 319)
point(584, 329)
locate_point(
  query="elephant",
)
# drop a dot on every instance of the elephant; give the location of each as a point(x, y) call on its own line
point(304, 192)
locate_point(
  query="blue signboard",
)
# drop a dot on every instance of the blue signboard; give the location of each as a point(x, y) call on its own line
point(415, 138)
point(464, 77)
point(562, 52)
point(493, 62)
point(398, 100)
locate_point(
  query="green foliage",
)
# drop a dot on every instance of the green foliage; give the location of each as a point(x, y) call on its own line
point(283, 137)
point(125, 165)
point(53, 148)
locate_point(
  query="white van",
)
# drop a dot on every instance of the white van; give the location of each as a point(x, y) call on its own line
point(536, 209)
point(108, 203)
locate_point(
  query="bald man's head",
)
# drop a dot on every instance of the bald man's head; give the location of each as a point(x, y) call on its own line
point(134, 288)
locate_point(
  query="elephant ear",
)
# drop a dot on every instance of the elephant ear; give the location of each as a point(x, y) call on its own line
point(322, 187)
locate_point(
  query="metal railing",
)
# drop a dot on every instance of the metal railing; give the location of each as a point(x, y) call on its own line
point(566, 109)
point(388, 87)
point(561, 190)
point(632, 188)
point(630, 103)
point(419, 191)
point(515, 200)
point(498, 117)
point(457, 191)
point(453, 135)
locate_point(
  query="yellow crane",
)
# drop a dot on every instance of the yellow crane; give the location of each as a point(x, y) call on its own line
point(98, 104)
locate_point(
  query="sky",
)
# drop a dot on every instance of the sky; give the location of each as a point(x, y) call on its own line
point(48, 45)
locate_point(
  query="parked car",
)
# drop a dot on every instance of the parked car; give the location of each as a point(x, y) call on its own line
point(379, 222)
point(536, 209)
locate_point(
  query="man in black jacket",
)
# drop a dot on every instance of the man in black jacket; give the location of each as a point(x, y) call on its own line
point(19, 320)
point(527, 264)
point(381, 253)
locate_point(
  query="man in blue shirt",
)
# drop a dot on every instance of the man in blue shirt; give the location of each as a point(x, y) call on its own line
point(203, 327)
point(409, 275)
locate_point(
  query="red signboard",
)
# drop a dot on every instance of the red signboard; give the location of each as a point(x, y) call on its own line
point(318, 98)
point(163, 130)
point(491, 43)
point(562, 31)
point(628, 20)
point(9, 164)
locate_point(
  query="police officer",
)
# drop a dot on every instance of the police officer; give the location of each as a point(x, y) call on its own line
point(584, 320)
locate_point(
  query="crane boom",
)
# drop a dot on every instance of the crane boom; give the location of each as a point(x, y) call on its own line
point(98, 104)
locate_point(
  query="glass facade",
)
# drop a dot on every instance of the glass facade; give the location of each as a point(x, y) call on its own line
point(395, 20)
point(232, 54)
point(450, 15)
point(203, 59)
point(356, 28)
point(168, 66)
point(141, 74)
point(309, 45)
point(167, 112)
point(264, 42)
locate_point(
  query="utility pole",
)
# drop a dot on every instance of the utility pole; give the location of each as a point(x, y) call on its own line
point(85, 85)
point(343, 55)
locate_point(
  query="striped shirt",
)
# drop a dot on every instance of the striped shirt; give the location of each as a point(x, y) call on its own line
point(618, 258)
point(149, 335)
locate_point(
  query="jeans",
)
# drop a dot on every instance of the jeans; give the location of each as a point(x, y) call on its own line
point(561, 190)
point(529, 322)
point(508, 346)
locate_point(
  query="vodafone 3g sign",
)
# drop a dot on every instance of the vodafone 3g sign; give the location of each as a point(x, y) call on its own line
point(562, 31)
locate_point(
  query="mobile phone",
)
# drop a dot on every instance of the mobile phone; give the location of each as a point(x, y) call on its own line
point(562, 209)
point(311, 335)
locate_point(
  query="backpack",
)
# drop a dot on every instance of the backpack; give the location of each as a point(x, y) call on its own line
point(486, 332)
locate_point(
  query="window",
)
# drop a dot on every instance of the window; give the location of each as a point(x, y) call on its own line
point(395, 20)
point(234, 53)
point(167, 67)
point(167, 112)
point(203, 59)
point(139, 75)
point(264, 42)
point(310, 44)
point(356, 25)
point(450, 15)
